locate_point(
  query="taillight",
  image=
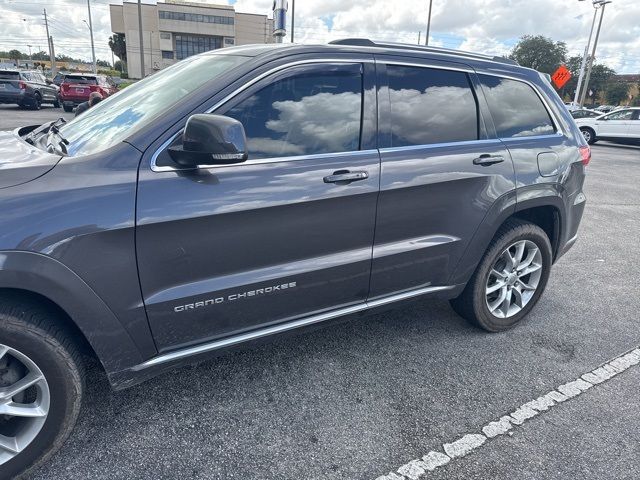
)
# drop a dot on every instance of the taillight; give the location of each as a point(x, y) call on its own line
point(22, 85)
point(585, 153)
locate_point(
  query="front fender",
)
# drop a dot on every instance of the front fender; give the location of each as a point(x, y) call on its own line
point(48, 277)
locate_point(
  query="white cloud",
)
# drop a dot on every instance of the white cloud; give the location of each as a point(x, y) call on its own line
point(490, 26)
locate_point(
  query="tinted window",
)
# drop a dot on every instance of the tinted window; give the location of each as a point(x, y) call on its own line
point(431, 106)
point(80, 79)
point(9, 75)
point(516, 108)
point(303, 114)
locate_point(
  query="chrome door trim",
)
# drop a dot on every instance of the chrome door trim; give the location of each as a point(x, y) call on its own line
point(239, 90)
point(284, 327)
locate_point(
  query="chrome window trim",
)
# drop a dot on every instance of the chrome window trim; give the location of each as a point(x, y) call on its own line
point(439, 145)
point(283, 327)
point(238, 91)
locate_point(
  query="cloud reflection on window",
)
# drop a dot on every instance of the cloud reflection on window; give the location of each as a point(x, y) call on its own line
point(516, 109)
point(430, 106)
point(303, 116)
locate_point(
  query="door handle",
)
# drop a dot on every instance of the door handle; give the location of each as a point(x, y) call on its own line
point(486, 159)
point(345, 177)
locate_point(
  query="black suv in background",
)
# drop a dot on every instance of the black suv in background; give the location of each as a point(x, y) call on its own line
point(29, 89)
point(251, 191)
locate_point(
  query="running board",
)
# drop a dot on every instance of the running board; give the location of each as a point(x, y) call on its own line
point(284, 327)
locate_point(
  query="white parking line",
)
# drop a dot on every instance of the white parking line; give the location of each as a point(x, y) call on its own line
point(420, 468)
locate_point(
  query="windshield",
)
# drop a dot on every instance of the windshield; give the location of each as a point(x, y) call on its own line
point(122, 114)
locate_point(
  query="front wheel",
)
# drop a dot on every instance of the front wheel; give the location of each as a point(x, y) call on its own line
point(509, 279)
point(56, 104)
point(67, 108)
point(37, 102)
point(41, 386)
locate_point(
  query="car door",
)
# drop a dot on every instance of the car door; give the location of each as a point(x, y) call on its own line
point(441, 173)
point(634, 125)
point(615, 124)
point(284, 235)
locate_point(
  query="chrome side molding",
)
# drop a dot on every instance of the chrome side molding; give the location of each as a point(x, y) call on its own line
point(284, 327)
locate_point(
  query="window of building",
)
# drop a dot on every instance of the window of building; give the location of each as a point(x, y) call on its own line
point(168, 54)
point(165, 35)
point(187, 45)
point(431, 106)
point(195, 17)
point(516, 108)
point(229, 41)
point(314, 111)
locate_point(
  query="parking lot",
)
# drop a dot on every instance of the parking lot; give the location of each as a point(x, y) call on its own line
point(360, 399)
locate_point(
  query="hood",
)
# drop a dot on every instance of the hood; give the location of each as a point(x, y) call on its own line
point(21, 162)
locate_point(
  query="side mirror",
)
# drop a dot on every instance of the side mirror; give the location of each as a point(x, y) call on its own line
point(211, 140)
point(48, 80)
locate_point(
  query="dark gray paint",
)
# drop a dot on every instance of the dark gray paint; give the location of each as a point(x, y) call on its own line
point(424, 215)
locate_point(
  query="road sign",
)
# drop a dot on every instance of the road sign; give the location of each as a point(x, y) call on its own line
point(561, 76)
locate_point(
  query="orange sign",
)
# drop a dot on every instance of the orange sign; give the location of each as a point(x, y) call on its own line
point(561, 76)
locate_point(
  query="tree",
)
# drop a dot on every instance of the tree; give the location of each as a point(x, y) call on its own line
point(600, 76)
point(15, 55)
point(617, 93)
point(118, 45)
point(103, 63)
point(539, 53)
point(119, 65)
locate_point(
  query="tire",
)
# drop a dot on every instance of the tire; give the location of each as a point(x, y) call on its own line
point(474, 302)
point(37, 102)
point(67, 108)
point(589, 135)
point(32, 335)
point(56, 104)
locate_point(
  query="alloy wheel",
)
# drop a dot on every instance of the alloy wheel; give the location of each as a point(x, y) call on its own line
point(24, 402)
point(586, 134)
point(513, 279)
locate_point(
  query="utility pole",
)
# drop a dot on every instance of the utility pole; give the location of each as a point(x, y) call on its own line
point(93, 50)
point(293, 17)
point(53, 53)
point(576, 98)
point(593, 52)
point(141, 40)
point(426, 41)
point(50, 41)
point(419, 40)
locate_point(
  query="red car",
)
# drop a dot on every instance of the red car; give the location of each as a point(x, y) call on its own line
point(76, 88)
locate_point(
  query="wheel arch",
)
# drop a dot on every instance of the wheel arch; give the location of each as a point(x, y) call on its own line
point(540, 206)
point(41, 279)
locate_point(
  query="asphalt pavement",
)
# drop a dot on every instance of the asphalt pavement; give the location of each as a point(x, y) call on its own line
point(360, 399)
point(13, 116)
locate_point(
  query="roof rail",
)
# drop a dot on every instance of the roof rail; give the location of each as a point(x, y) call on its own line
point(365, 42)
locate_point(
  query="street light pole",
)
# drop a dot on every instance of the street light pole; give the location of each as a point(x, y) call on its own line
point(426, 42)
point(293, 17)
point(93, 50)
point(576, 98)
point(603, 3)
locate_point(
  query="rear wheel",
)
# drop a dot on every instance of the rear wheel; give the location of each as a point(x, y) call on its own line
point(589, 135)
point(510, 278)
point(41, 387)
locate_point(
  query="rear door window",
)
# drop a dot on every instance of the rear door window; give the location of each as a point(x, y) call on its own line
point(516, 108)
point(431, 106)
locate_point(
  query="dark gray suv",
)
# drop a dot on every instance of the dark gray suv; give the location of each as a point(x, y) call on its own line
point(251, 191)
